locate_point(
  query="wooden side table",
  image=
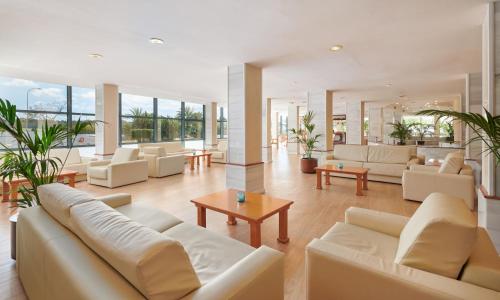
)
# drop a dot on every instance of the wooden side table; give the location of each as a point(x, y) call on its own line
point(360, 173)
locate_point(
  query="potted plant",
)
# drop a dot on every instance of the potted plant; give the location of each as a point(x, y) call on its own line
point(486, 128)
point(401, 132)
point(450, 130)
point(421, 131)
point(308, 141)
point(31, 158)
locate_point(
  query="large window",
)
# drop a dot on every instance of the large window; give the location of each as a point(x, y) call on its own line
point(83, 108)
point(169, 120)
point(221, 123)
point(194, 121)
point(136, 119)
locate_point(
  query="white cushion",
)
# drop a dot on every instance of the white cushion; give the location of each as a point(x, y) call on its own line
point(99, 172)
point(158, 151)
point(389, 154)
point(79, 168)
point(222, 146)
point(439, 237)
point(72, 158)
point(211, 254)
point(350, 152)
point(57, 199)
point(346, 163)
point(395, 170)
point(453, 163)
point(155, 264)
point(173, 147)
point(148, 216)
point(125, 155)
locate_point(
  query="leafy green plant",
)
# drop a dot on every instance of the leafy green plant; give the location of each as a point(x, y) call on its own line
point(450, 130)
point(486, 128)
point(421, 130)
point(305, 135)
point(31, 159)
point(401, 132)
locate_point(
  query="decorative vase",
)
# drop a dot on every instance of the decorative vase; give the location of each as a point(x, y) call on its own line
point(240, 197)
point(307, 165)
point(340, 166)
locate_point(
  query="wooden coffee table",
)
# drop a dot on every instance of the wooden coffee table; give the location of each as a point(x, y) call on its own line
point(254, 210)
point(196, 156)
point(360, 173)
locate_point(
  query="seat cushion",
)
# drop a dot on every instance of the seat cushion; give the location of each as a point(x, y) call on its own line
point(148, 216)
point(99, 172)
point(439, 237)
point(453, 163)
point(347, 163)
point(158, 151)
point(210, 253)
point(389, 154)
point(363, 240)
point(125, 155)
point(483, 266)
point(156, 265)
point(350, 152)
point(385, 169)
point(57, 199)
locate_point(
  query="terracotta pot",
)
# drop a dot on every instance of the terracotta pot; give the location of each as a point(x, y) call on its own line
point(420, 143)
point(307, 165)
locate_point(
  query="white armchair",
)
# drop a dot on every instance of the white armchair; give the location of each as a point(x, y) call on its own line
point(161, 165)
point(439, 253)
point(74, 161)
point(219, 154)
point(124, 168)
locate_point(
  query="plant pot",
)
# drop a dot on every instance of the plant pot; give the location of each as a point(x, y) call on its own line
point(307, 165)
point(420, 143)
point(401, 143)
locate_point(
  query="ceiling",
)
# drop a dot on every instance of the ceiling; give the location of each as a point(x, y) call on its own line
point(422, 48)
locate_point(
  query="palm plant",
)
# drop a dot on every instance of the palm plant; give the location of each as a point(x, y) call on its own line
point(305, 135)
point(486, 128)
point(31, 159)
point(401, 131)
point(450, 130)
point(421, 130)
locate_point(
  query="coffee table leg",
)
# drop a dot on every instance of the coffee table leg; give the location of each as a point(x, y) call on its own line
point(209, 160)
point(13, 191)
point(202, 216)
point(231, 220)
point(318, 180)
point(327, 178)
point(197, 160)
point(365, 181)
point(191, 163)
point(71, 180)
point(5, 192)
point(255, 240)
point(283, 230)
point(359, 184)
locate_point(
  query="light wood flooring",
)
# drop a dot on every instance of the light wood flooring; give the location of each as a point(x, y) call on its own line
point(312, 214)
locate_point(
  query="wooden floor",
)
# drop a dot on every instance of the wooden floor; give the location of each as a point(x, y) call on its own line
point(312, 214)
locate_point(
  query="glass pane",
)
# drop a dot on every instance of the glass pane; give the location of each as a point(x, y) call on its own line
point(225, 131)
point(193, 111)
point(170, 129)
point(83, 100)
point(137, 130)
point(37, 120)
point(194, 129)
point(87, 136)
point(34, 95)
point(137, 106)
point(218, 129)
point(169, 108)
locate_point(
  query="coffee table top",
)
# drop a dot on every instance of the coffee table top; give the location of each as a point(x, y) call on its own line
point(256, 207)
point(22, 179)
point(345, 170)
point(197, 154)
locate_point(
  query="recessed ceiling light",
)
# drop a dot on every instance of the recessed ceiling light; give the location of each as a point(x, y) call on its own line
point(95, 55)
point(388, 84)
point(154, 40)
point(336, 48)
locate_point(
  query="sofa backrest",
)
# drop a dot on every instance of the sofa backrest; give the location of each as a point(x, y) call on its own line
point(350, 152)
point(439, 237)
point(173, 147)
point(222, 145)
point(73, 157)
point(389, 154)
point(158, 151)
point(453, 163)
point(125, 155)
point(156, 265)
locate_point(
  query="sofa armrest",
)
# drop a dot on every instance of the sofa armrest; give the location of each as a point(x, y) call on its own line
point(382, 222)
point(99, 163)
point(336, 272)
point(127, 172)
point(260, 275)
point(116, 200)
point(152, 163)
point(413, 161)
point(86, 159)
point(428, 169)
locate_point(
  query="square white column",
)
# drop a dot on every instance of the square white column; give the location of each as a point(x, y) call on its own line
point(107, 111)
point(211, 125)
point(293, 122)
point(321, 103)
point(244, 169)
point(355, 119)
point(267, 153)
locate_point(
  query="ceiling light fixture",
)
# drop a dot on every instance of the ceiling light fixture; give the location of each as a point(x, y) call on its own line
point(388, 84)
point(154, 40)
point(336, 48)
point(95, 55)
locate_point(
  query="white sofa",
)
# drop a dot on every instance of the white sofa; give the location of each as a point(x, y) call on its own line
point(384, 163)
point(420, 181)
point(438, 253)
point(219, 154)
point(161, 165)
point(124, 168)
point(171, 148)
point(74, 161)
point(78, 247)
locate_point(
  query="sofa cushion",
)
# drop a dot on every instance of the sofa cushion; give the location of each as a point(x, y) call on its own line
point(453, 163)
point(124, 155)
point(73, 156)
point(389, 154)
point(210, 253)
point(362, 240)
point(395, 170)
point(346, 163)
point(171, 147)
point(483, 266)
point(158, 151)
point(439, 237)
point(350, 152)
point(57, 199)
point(79, 168)
point(155, 264)
point(99, 172)
point(222, 146)
point(148, 216)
